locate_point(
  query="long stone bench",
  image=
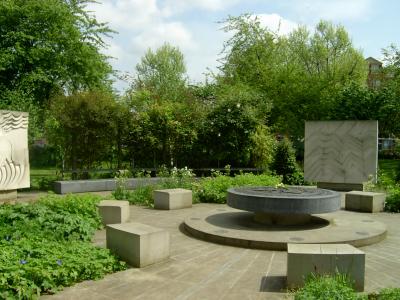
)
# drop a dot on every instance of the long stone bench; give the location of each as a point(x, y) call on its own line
point(172, 199)
point(365, 201)
point(98, 185)
point(113, 211)
point(306, 259)
point(138, 244)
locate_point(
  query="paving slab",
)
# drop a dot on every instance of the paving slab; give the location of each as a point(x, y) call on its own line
point(199, 269)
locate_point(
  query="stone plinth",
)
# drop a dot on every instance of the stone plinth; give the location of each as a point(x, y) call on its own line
point(172, 199)
point(365, 201)
point(113, 211)
point(8, 196)
point(138, 244)
point(340, 152)
point(98, 185)
point(306, 259)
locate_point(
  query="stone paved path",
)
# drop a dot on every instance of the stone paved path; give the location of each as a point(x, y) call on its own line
point(201, 270)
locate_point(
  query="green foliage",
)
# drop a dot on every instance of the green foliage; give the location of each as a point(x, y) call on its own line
point(46, 245)
point(335, 287)
point(285, 163)
point(143, 195)
point(300, 73)
point(30, 267)
point(226, 134)
point(214, 189)
point(51, 45)
point(386, 294)
point(392, 202)
point(85, 128)
point(162, 73)
point(263, 149)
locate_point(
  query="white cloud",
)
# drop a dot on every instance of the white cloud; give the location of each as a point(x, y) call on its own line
point(276, 23)
point(173, 32)
point(127, 14)
point(171, 7)
point(338, 10)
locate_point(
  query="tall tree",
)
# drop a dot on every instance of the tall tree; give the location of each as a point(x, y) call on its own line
point(162, 74)
point(49, 46)
point(299, 73)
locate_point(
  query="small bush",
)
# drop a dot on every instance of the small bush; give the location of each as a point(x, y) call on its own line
point(214, 189)
point(284, 163)
point(386, 294)
point(392, 203)
point(326, 287)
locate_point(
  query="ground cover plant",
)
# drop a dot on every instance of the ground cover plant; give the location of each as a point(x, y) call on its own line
point(338, 287)
point(388, 182)
point(46, 245)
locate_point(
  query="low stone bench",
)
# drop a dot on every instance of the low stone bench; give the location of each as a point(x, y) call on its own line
point(113, 211)
point(365, 201)
point(138, 244)
point(172, 199)
point(305, 259)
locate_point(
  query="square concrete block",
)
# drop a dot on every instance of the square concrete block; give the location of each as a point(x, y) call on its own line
point(113, 211)
point(365, 201)
point(321, 259)
point(138, 244)
point(172, 199)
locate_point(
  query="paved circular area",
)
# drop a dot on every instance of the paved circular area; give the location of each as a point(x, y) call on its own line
point(237, 228)
point(199, 270)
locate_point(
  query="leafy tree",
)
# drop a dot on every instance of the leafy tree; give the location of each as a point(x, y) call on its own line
point(83, 127)
point(299, 74)
point(48, 47)
point(263, 148)
point(160, 75)
point(226, 132)
point(284, 163)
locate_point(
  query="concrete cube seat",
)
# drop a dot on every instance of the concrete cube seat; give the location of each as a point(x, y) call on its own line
point(113, 211)
point(138, 244)
point(365, 201)
point(172, 199)
point(321, 259)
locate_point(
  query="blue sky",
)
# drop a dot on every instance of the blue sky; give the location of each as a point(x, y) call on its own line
point(193, 26)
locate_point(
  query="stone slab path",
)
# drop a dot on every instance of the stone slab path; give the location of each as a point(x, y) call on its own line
point(202, 270)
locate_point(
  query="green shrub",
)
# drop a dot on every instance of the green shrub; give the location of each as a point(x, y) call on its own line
point(386, 294)
point(284, 163)
point(392, 202)
point(46, 245)
point(214, 189)
point(335, 287)
point(143, 195)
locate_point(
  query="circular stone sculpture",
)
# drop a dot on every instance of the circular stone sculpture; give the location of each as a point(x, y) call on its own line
point(283, 206)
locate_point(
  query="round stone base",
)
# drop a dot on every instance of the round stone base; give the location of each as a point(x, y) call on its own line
point(282, 219)
point(237, 228)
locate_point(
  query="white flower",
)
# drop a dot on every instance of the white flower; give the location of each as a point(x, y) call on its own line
point(238, 105)
point(219, 134)
point(229, 110)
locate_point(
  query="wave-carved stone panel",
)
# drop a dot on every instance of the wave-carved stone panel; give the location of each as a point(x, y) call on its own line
point(14, 155)
point(340, 151)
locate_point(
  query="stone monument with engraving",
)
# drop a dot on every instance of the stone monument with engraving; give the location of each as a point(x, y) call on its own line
point(14, 155)
point(341, 155)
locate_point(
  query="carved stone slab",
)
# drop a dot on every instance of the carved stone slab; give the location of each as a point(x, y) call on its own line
point(340, 151)
point(14, 155)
